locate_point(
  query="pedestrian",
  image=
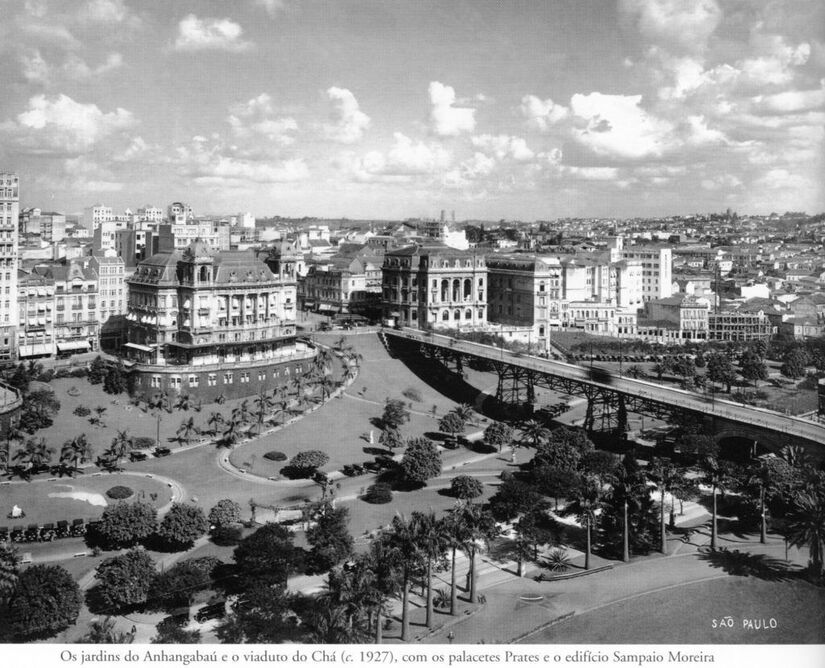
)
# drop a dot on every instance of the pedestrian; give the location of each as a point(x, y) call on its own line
point(371, 437)
point(451, 637)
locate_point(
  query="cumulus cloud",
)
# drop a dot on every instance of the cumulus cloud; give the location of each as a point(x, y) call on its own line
point(684, 25)
point(257, 118)
point(272, 7)
point(541, 114)
point(405, 159)
point(448, 120)
point(213, 163)
point(504, 146)
point(618, 127)
point(107, 11)
point(791, 101)
point(196, 34)
point(61, 126)
point(37, 70)
point(349, 122)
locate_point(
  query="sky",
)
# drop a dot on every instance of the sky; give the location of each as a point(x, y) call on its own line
point(493, 109)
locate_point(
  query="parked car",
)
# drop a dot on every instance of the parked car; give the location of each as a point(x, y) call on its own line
point(162, 452)
point(211, 611)
point(137, 456)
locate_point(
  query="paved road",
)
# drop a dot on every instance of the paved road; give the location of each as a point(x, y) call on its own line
point(747, 415)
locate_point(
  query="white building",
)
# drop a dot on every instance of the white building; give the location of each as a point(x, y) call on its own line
point(9, 214)
point(657, 266)
point(246, 220)
point(94, 215)
point(150, 213)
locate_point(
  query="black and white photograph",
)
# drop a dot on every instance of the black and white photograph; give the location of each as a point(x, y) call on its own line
point(352, 332)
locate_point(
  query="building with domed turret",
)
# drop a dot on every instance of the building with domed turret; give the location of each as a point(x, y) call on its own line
point(212, 323)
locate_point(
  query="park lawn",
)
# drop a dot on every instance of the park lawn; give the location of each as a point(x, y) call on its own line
point(685, 616)
point(38, 500)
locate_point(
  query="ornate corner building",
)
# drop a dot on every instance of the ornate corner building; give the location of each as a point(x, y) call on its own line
point(213, 322)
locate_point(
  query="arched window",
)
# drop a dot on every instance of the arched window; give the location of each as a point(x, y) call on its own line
point(204, 277)
point(445, 290)
point(468, 289)
point(445, 315)
point(457, 315)
point(456, 289)
point(468, 314)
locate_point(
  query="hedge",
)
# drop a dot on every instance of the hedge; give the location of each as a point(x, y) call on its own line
point(275, 456)
point(119, 492)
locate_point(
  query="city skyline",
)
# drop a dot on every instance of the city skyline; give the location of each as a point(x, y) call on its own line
point(377, 110)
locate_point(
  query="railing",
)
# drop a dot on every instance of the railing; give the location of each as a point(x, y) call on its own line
point(221, 366)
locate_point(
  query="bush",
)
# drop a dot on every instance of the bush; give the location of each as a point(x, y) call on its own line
point(304, 464)
point(275, 456)
point(412, 394)
point(143, 443)
point(225, 512)
point(82, 411)
point(465, 487)
point(78, 373)
point(119, 492)
point(229, 534)
point(182, 526)
point(46, 376)
point(378, 493)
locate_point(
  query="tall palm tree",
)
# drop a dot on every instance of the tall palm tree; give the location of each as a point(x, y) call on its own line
point(215, 421)
point(232, 433)
point(455, 532)
point(432, 541)
point(481, 528)
point(716, 477)
point(323, 360)
point(187, 430)
point(403, 537)
point(13, 433)
point(298, 384)
point(183, 402)
point(586, 502)
point(73, 452)
point(464, 411)
point(806, 526)
point(663, 474)
point(761, 477)
point(383, 581)
point(327, 387)
point(263, 404)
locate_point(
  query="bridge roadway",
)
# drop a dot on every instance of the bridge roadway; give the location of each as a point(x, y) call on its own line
point(750, 416)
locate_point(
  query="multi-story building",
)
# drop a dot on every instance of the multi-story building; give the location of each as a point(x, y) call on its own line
point(338, 286)
point(179, 236)
point(76, 323)
point(434, 286)
point(50, 225)
point(135, 245)
point(219, 323)
point(657, 266)
point(150, 213)
point(104, 237)
point(677, 318)
point(9, 215)
point(35, 330)
point(179, 213)
point(111, 275)
point(739, 326)
point(94, 215)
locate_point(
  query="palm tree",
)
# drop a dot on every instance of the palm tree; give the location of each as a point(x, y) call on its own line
point(382, 582)
point(327, 387)
point(716, 477)
point(403, 537)
point(761, 477)
point(216, 420)
point(13, 433)
point(35, 455)
point(481, 528)
point(663, 474)
point(455, 531)
point(431, 539)
point(233, 432)
point(73, 452)
point(464, 411)
point(187, 429)
point(534, 433)
point(806, 526)
point(263, 404)
point(586, 501)
point(183, 403)
point(323, 360)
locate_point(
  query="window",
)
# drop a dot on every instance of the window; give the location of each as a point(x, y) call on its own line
point(194, 380)
point(228, 378)
point(155, 381)
point(212, 380)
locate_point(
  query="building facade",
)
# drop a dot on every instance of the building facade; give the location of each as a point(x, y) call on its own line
point(739, 326)
point(35, 330)
point(434, 286)
point(219, 323)
point(76, 323)
point(9, 215)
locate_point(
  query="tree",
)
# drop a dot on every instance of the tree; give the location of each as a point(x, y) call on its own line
point(806, 526)
point(716, 475)
point(264, 615)
point(421, 460)
point(753, 367)
point(601, 464)
point(306, 463)
point(585, 504)
point(182, 525)
point(177, 586)
point(9, 571)
point(266, 557)
point(554, 481)
point(720, 370)
point(224, 513)
point(534, 433)
point(103, 632)
point(432, 542)
point(403, 539)
point(498, 434)
point(480, 528)
point(513, 498)
point(564, 449)
point(115, 380)
point(127, 524)
point(464, 411)
point(395, 413)
point(466, 487)
point(451, 423)
point(793, 363)
point(183, 402)
point(187, 430)
point(170, 631)
point(233, 432)
point(73, 452)
point(97, 371)
point(35, 456)
point(663, 474)
point(45, 602)
point(329, 538)
point(685, 367)
point(122, 581)
point(391, 438)
point(121, 444)
point(38, 410)
point(215, 422)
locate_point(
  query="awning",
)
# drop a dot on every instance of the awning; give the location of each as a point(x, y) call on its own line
point(34, 349)
point(72, 345)
point(138, 346)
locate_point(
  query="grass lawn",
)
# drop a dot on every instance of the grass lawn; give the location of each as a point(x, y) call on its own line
point(686, 614)
point(70, 498)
